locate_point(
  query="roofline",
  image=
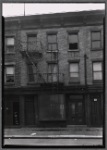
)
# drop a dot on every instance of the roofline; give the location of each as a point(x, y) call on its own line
point(77, 13)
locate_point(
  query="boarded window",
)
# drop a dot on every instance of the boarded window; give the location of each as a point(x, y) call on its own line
point(32, 42)
point(52, 42)
point(97, 71)
point(10, 42)
point(96, 39)
point(9, 74)
point(73, 41)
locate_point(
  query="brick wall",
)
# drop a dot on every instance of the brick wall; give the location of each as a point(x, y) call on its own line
point(65, 56)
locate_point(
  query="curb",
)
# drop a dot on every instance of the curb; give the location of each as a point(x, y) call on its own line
point(53, 137)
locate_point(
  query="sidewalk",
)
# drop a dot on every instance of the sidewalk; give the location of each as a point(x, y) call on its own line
point(71, 132)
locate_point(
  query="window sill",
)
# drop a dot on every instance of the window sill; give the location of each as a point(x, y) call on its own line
point(97, 49)
point(52, 51)
point(77, 50)
point(8, 53)
point(11, 83)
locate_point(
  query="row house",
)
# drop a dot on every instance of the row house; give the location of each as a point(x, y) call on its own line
point(53, 70)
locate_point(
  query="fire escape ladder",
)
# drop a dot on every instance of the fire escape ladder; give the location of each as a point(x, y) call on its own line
point(35, 65)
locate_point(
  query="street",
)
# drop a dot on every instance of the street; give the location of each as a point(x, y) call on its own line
point(54, 142)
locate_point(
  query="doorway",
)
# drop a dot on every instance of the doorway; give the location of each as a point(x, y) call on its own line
point(76, 112)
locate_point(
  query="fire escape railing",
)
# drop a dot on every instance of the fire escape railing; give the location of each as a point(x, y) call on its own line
point(48, 77)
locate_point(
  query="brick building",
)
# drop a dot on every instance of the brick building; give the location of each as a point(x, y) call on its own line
point(53, 74)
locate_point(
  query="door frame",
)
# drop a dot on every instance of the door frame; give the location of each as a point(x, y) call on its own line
point(67, 107)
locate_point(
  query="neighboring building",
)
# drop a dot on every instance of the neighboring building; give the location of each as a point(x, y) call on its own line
point(54, 70)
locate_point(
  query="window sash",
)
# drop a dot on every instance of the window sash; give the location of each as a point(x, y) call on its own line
point(97, 75)
point(52, 38)
point(73, 38)
point(10, 41)
point(74, 70)
point(96, 36)
point(97, 70)
point(96, 39)
point(32, 42)
point(97, 66)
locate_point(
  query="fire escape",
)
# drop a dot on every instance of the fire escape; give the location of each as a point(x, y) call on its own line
point(34, 56)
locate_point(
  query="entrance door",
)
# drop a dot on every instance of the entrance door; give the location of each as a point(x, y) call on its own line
point(29, 111)
point(76, 112)
point(96, 110)
point(16, 113)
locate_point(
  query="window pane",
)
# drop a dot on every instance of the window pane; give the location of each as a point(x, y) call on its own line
point(73, 67)
point(97, 75)
point(51, 38)
point(74, 75)
point(10, 41)
point(97, 66)
point(32, 42)
point(54, 47)
point(73, 46)
point(52, 68)
point(9, 78)
point(96, 44)
point(73, 38)
point(95, 35)
point(10, 70)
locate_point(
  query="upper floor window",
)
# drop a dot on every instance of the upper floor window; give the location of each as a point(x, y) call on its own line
point(97, 71)
point(52, 72)
point(10, 43)
point(9, 74)
point(32, 73)
point(96, 39)
point(52, 42)
point(73, 41)
point(74, 72)
point(32, 42)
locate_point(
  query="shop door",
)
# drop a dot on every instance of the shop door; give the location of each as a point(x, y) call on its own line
point(16, 113)
point(96, 111)
point(76, 112)
point(29, 112)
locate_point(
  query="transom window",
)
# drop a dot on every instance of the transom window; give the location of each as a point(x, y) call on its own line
point(97, 71)
point(9, 74)
point(32, 42)
point(96, 39)
point(52, 42)
point(73, 41)
point(10, 43)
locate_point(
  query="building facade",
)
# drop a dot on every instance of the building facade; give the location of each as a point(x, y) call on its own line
point(53, 70)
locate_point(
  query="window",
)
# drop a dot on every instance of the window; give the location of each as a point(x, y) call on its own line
point(32, 73)
point(10, 42)
point(96, 40)
point(74, 72)
point(52, 42)
point(9, 74)
point(73, 41)
point(97, 71)
point(52, 72)
point(32, 42)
